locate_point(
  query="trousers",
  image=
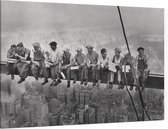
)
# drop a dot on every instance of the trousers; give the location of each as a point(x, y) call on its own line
point(23, 68)
point(38, 70)
point(11, 67)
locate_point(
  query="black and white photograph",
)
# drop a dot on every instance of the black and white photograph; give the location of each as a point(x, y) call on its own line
point(72, 64)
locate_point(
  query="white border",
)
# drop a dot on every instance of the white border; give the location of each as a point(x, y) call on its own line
point(134, 3)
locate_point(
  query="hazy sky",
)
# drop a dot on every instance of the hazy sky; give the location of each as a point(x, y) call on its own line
point(70, 25)
point(19, 16)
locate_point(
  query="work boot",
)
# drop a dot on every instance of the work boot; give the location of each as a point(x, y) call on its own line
point(68, 84)
point(8, 73)
point(143, 88)
point(94, 83)
point(36, 78)
point(122, 86)
point(131, 87)
point(45, 81)
point(85, 83)
point(21, 80)
point(12, 77)
point(53, 83)
point(136, 88)
point(107, 86)
point(74, 81)
point(119, 86)
point(81, 82)
point(110, 85)
point(59, 81)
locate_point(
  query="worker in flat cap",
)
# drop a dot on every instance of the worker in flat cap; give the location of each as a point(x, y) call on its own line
point(66, 63)
point(117, 60)
point(23, 62)
point(37, 58)
point(142, 67)
point(11, 60)
point(80, 60)
point(54, 61)
point(92, 64)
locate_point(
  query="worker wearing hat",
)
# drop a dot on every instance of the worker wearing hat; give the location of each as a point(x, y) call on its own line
point(10, 65)
point(54, 61)
point(142, 67)
point(23, 63)
point(38, 58)
point(66, 64)
point(82, 71)
point(117, 60)
point(92, 63)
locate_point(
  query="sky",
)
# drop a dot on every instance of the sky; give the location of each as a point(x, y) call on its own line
point(77, 25)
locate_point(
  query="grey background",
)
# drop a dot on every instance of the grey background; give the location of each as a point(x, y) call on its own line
point(77, 25)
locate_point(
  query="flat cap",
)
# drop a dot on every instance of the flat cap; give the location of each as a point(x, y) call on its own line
point(117, 49)
point(66, 50)
point(36, 44)
point(20, 44)
point(89, 46)
point(13, 45)
point(140, 48)
point(53, 43)
point(79, 49)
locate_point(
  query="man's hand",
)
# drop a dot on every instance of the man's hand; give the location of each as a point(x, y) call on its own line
point(15, 54)
point(55, 63)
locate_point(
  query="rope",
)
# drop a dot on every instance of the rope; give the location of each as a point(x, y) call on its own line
point(141, 98)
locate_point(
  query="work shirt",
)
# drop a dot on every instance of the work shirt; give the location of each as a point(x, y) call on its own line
point(54, 56)
point(103, 62)
point(66, 59)
point(24, 52)
point(38, 55)
point(142, 62)
point(117, 61)
point(80, 58)
point(10, 54)
point(93, 57)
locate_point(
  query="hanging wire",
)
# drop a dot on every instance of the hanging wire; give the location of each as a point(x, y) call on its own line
point(141, 98)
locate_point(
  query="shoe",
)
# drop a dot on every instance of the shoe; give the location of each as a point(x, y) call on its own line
point(36, 78)
point(59, 81)
point(21, 80)
point(82, 82)
point(131, 87)
point(85, 83)
point(110, 85)
point(122, 86)
point(52, 84)
point(143, 88)
point(94, 83)
point(136, 88)
point(74, 81)
point(12, 77)
point(8, 73)
point(68, 84)
point(45, 81)
point(119, 85)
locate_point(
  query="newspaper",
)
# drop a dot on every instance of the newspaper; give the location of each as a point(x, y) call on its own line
point(127, 68)
point(74, 67)
point(112, 67)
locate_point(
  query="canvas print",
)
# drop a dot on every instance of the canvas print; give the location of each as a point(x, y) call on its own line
point(71, 64)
